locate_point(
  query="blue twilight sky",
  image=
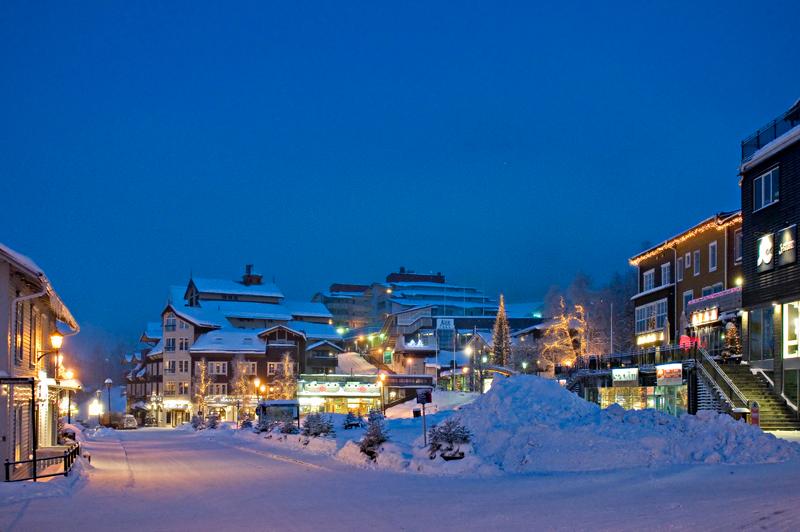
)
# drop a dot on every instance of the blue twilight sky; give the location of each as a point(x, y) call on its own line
point(507, 144)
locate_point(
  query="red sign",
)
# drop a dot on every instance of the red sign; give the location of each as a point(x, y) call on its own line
point(755, 414)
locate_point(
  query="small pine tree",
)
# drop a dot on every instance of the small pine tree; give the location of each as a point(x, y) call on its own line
point(446, 437)
point(352, 420)
point(289, 427)
point(375, 435)
point(212, 422)
point(501, 337)
point(316, 425)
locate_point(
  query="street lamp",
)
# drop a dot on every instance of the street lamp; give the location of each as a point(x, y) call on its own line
point(382, 384)
point(69, 375)
point(524, 366)
point(108, 384)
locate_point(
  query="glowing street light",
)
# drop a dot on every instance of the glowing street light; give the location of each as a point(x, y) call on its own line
point(56, 340)
point(524, 366)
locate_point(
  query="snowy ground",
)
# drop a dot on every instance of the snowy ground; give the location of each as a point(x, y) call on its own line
point(162, 479)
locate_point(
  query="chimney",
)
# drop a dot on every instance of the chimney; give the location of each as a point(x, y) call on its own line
point(250, 278)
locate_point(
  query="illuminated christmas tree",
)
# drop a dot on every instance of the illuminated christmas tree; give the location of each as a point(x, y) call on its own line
point(501, 337)
point(733, 340)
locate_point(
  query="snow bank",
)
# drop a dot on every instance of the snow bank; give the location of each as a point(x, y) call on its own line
point(529, 424)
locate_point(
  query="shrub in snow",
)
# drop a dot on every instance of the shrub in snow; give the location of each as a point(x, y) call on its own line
point(197, 423)
point(376, 434)
point(212, 422)
point(316, 425)
point(246, 423)
point(446, 437)
point(352, 420)
point(289, 427)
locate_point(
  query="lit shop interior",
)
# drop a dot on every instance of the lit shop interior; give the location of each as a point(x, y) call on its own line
point(664, 389)
point(339, 394)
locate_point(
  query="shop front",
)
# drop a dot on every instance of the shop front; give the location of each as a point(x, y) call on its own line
point(177, 412)
point(714, 322)
point(666, 391)
point(339, 394)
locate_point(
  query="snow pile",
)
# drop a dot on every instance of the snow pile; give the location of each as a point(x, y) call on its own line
point(527, 424)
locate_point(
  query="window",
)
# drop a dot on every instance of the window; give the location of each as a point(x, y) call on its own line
point(737, 246)
point(183, 344)
point(182, 324)
point(717, 287)
point(707, 291)
point(679, 269)
point(791, 329)
point(712, 256)
point(171, 366)
point(688, 259)
point(183, 388)
point(648, 280)
point(651, 317)
point(183, 366)
point(697, 262)
point(169, 322)
point(250, 368)
point(765, 189)
point(219, 389)
point(169, 388)
point(218, 368)
point(666, 274)
point(687, 296)
point(761, 334)
point(169, 344)
point(272, 368)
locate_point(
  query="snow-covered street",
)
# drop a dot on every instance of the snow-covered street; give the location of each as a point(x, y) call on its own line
point(161, 479)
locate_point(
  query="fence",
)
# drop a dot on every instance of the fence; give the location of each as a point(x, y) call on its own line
point(42, 467)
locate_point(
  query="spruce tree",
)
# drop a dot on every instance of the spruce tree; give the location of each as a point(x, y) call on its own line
point(501, 337)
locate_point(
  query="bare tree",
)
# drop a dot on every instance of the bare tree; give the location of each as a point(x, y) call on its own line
point(285, 384)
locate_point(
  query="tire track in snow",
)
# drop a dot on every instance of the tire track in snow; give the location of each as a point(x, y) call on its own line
point(276, 457)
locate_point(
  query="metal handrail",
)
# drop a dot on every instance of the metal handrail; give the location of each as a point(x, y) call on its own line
point(719, 374)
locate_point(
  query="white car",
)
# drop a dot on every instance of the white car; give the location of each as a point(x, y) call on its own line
point(129, 422)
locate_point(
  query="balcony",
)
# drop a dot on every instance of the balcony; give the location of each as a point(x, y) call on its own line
point(771, 131)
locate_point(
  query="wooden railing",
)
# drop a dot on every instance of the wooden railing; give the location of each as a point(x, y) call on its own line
point(42, 467)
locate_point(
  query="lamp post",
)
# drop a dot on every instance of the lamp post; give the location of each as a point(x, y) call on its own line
point(469, 352)
point(382, 384)
point(69, 375)
point(524, 366)
point(484, 359)
point(108, 382)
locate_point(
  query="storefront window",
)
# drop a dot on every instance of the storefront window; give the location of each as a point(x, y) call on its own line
point(791, 329)
point(761, 333)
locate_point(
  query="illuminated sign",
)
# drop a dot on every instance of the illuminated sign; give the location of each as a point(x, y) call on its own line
point(625, 376)
point(701, 317)
point(445, 324)
point(334, 388)
point(765, 253)
point(650, 338)
point(669, 375)
point(786, 245)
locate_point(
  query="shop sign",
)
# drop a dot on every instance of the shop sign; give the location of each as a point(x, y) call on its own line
point(669, 375)
point(650, 338)
point(334, 388)
point(765, 252)
point(786, 245)
point(424, 397)
point(445, 324)
point(625, 376)
point(701, 317)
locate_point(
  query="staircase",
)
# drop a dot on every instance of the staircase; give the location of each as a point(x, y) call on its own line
point(707, 398)
point(774, 413)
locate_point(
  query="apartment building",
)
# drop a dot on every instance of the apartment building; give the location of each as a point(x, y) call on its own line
point(239, 332)
point(770, 186)
point(689, 286)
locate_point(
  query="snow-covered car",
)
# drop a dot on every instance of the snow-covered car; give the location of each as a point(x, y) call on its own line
point(129, 422)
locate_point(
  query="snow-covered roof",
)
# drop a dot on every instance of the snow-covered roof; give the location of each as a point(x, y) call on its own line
point(450, 302)
point(152, 330)
point(27, 265)
point(315, 331)
point(229, 341)
point(354, 364)
point(248, 309)
point(226, 286)
point(309, 309)
point(158, 349)
point(197, 315)
point(321, 343)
